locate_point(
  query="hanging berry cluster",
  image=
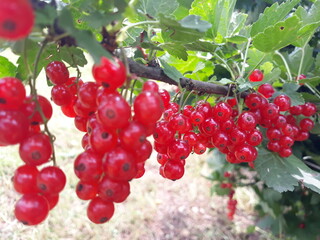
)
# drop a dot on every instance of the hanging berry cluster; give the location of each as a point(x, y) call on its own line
point(115, 144)
point(21, 118)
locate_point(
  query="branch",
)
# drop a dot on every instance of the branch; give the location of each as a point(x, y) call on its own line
point(157, 73)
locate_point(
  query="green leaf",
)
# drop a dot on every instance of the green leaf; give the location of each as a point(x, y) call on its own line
point(171, 71)
point(45, 16)
point(290, 89)
point(278, 36)
point(283, 174)
point(218, 13)
point(176, 50)
point(237, 39)
point(7, 68)
point(84, 38)
point(73, 56)
point(194, 22)
point(48, 55)
point(153, 8)
point(172, 29)
point(313, 81)
point(272, 15)
point(295, 57)
point(201, 46)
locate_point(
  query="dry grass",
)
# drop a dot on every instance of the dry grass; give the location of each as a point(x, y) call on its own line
point(156, 209)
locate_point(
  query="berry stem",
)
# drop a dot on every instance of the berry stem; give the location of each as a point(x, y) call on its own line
point(286, 65)
point(225, 64)
point(33, 90)
point(243, 68)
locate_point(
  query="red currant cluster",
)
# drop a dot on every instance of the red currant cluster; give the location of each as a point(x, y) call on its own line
point(232, 203)
point(115, 144)
point(20, 120)
point(16, 19)
point(281, 120)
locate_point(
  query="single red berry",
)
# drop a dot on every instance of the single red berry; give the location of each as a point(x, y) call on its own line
point(266, 90)
point(25, 179)
point(179, 122)
point(271, 111)
point(36, 149)
point(51, 180)
point(83, 110)
point(119, 165)
point(61, 95)
point(162, 133)
point(221, 112)
point(178, 149)
point(148, 107)
point(232, 102)
point(254, 137)
point(173, 170)
point(283, 102)
point(110, 190)
point(87, 94)
point(247, 121)
point(220, 140)
point(132, 136)
point(102, 140)
point(273, 146)
point(280, 121)
point(57, 72)
point(150, 86)
point(68, 110)
point(81, 123)
point(285, 152)
point(100, 211)
point(86, 191)
point(273, 134)
point(245, 153)
point(191, 138)
point(12, 93)
point(199, 148)
point(29, 108)
point(209, 127)
point(88, 166)
point(143, 152)
point(286, 142)
point(187, 110)
point(301, 136)
point(256, 76)
point(306, 124)
point(253, 101)
point(309, 109)
point(205, 108)
point(196, 117)
point(16, 19)
point(237, 136)
point(114, 111)
point(13, 127)
point(165, 96)
point(31, 209)
point(162, 158)
point(111, 75)
point(296, 110)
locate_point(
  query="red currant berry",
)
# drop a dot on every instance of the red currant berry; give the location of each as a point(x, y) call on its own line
point(88, 166)
point(57, 72)
point(61, 95)
point(173, 170)
point(36, 149)
point(306, 124)
point(86, 191)
point(150, 86)
point(25, 179)
point(283, 102)
point(178, 149)
point(266, 90)
point(31, 209)
point(148, 107)
point(285, 152)
point(51, 180)
point(253, 101)
point(16, 19)
point(247, 121)
point(119, 165)
point(12, 93)
point(13, 127)
point(100, 211)
point(245, 153)
point(256, 76)
point(309, 109)
point(222, 112)
point(254, 138)
point(271, 111)
point(111, 75)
